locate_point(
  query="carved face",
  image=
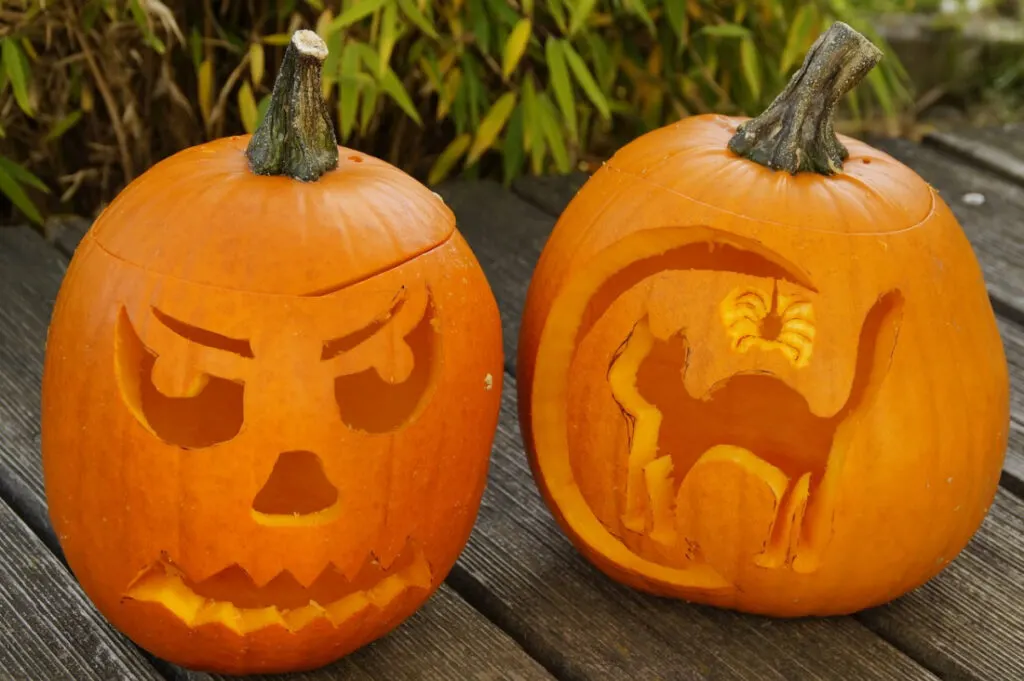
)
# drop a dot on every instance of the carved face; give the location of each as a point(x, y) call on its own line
point(260, 472)
point(744, 388)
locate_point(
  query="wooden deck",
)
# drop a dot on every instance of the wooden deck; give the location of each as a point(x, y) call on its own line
point(521, 604)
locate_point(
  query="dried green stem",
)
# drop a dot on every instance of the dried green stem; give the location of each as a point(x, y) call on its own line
point(296, 137)
point(796, 133)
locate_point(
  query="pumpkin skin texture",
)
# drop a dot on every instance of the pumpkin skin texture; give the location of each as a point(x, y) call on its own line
point(268, 407)
point(779, 393)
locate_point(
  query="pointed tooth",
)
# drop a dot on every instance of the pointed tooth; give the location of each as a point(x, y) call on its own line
point(219, 612)
point(346, 608)
point(386, 591)
point(263, 571)
point(419, 574)
point(198, 568)
point(299, 617)
point(253, 619)
point(307, 572)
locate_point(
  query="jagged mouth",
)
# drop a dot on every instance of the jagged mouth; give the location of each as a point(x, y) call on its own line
point(231, 597)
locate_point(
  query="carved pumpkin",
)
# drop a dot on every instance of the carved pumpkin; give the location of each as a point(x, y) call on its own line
point(268, 404)
point(758, 367)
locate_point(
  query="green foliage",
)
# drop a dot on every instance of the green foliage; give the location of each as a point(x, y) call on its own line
point(92, 92)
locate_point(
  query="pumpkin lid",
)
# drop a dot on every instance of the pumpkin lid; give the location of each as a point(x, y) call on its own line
point(202, 216)
point(285, 210)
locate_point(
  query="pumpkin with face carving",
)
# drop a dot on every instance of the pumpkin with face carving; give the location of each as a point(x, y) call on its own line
point(780, 392)
point(268, 403)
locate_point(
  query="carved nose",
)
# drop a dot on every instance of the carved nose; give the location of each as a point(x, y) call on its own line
point(296, 487)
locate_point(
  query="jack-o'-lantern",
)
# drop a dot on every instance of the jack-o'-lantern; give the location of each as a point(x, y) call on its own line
point(758, 367)
point(272, 381)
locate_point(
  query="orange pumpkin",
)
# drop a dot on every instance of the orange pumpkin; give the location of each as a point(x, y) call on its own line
point(758, 367)
point(268, 404)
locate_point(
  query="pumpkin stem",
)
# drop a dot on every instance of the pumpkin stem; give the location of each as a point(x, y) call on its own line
point(296, 137)
point(796, 132)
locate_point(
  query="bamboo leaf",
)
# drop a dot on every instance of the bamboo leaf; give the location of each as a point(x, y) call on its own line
point(449, 93)
point(515, 46)
point(205, 85)
point(798, 38)
point(256, 63)
point(751, 65)
point(580, 13)
point(417, 17)
point(23, 175)
point(10, 188)
point(277, 39)
point(63, 125)
point(557, 12)
point(533, 131)
point(882, 93)
point(367, 105)
point(638, 8)
point(348, 90)
point(247, 108)
point(586, 81)
point(142, 21)
point(560, 83)
point(388, 35)
point(553, 133)
point(393, 87)
point(675, 12)
point(512, 150)
point(529, 110)
point(14, 66)
point(726, 31)
point(449, 157)
point(491, 126)
point(355, 12)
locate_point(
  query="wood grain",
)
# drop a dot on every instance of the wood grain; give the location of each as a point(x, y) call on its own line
point(998, 149)
point(447, 639)
point(48, 627)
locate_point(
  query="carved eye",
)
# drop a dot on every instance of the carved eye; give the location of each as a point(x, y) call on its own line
point(170, 393)
point(386, 369)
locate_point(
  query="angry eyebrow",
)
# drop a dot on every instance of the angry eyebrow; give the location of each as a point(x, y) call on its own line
point(204, 337)
point(350, 341)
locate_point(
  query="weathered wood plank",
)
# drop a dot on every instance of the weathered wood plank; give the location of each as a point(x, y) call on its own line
point(998, 149)
point(447, 639)
point(30, 275)
point(490, 244)
point(523, 573)
point(550, 193)
point(48, 627)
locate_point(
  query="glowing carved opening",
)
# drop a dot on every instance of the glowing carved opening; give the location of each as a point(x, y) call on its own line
point(232, 599)
point(296, 489)
point(211, 412)
point(770, 321)
point(369, 403)
point(670, 431)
